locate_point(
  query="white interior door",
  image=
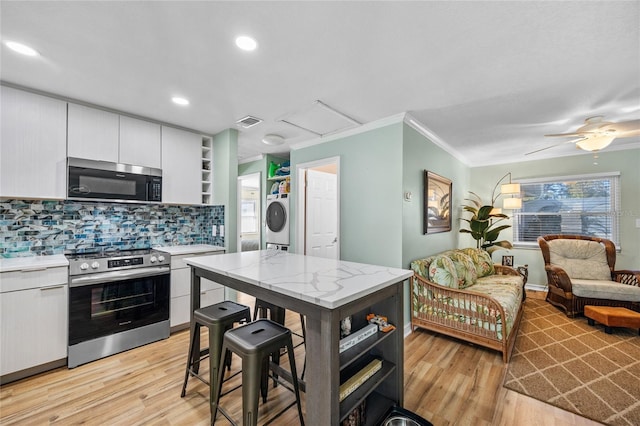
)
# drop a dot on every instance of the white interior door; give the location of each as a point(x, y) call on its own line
point(321, 214)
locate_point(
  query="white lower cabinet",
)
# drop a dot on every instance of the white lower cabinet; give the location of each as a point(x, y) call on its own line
point(33, 318)
point(210, 292)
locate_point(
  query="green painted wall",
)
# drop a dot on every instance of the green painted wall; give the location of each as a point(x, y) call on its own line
point(370, 193)
point(420, 154)
point(627, 162)
point(225, 182)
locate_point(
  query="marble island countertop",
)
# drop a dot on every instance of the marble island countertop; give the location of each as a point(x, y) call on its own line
point(325, 282)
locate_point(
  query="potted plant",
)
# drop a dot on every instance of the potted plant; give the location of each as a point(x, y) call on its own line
point(484, 224)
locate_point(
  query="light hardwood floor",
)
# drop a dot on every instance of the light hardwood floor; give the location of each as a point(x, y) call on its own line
point(446, 381)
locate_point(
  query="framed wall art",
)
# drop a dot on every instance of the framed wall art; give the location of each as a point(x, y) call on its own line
point(437, 203)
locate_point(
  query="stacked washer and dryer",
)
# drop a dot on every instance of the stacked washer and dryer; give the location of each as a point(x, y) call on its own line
point(277, 218)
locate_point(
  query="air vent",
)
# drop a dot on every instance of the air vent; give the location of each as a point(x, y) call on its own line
point(248, 121)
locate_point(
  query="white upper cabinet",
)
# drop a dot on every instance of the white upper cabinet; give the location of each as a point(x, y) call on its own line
point(140, 143)
point(32, 145)
point(93, 134)
point(181, 165)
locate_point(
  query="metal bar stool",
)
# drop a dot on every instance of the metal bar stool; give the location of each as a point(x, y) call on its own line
point(254, 343)
point(218, 318)
point(277, 314)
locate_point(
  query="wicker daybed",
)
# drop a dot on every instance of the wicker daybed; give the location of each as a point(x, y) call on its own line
point(462, 294)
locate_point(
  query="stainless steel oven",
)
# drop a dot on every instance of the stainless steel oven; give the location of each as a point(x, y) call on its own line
point(117, 301)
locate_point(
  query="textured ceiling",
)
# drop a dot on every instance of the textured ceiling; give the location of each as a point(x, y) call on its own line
point(488, 79)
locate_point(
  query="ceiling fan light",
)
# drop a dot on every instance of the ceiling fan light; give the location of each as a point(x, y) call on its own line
point(273, 139)
point(595, 144)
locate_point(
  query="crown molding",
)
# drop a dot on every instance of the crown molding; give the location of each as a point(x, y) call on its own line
point(251, 159)
point(383, 122)
point(412, 122)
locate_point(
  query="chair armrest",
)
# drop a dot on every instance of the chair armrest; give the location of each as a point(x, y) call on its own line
point(627, 277)
point(557, 277)
point(505, 270)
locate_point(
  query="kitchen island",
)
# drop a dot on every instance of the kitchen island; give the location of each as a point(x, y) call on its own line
point(325, 291)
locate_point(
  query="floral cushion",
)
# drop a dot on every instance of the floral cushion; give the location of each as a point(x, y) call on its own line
point(453, 269)
point(482, 261)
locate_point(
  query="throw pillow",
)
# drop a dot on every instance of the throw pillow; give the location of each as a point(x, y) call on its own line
point(453, 269)
point(482, 261)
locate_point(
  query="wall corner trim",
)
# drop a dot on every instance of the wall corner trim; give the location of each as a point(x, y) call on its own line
point(412, 122)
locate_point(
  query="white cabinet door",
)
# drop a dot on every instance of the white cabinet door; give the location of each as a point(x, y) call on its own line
point(33, 327)
point(93, 134)
point(179, 310)
point(181, 166)
point(140, 143)
point(32, 145)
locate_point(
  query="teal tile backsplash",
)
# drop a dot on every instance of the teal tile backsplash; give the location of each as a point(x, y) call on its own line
point(30, 228)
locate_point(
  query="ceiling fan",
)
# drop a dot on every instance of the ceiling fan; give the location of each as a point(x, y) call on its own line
point(597, 134)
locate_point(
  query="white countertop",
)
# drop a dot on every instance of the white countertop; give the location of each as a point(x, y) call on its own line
point(325, 282)
point(32, 262)
point(189, 249)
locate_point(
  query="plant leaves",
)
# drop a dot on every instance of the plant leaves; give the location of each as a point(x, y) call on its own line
point(484, 212)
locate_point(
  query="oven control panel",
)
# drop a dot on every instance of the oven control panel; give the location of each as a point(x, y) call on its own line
point(93, 263)
point(119, 263)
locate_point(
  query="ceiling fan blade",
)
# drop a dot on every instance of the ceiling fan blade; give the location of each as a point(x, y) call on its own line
point(553, 146)
point(541, 149)
point(571, 135)
point(627, 128)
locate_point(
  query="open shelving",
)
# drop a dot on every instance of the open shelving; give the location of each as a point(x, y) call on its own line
point(207, 170)
point(382, 390)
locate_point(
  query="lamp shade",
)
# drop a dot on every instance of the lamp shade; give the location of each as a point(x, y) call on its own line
point(510, 188)
point(512, 203)
point(495, 210)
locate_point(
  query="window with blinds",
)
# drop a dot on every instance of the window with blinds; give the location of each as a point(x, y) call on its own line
point(584, 205)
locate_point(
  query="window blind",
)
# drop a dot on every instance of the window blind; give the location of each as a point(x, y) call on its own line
point(585, 205)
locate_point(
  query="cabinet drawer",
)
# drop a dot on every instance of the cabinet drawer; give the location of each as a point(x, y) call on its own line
point(181, 283)
point(178, 262)
point(35, 278)
point(40, 314)
point(179, 308)
point(212, 296)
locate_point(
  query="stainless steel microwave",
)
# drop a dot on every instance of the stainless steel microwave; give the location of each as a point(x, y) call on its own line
point(106, 181)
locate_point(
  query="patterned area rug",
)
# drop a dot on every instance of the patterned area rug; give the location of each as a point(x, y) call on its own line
point(577, 367)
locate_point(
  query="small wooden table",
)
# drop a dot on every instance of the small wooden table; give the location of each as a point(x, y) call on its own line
point(612, 317)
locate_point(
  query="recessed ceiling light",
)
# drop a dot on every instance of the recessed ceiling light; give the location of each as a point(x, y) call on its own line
point(246, 43)
point(273, 139)
point(21, 48)
point(180, 101)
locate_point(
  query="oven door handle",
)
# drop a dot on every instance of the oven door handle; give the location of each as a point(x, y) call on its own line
point(107, 277)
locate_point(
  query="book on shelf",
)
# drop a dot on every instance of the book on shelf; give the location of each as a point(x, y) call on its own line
point(355, 381)
point(357, 337)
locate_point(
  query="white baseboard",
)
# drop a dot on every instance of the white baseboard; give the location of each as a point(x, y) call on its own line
point(535, 287)
point(407, 330)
